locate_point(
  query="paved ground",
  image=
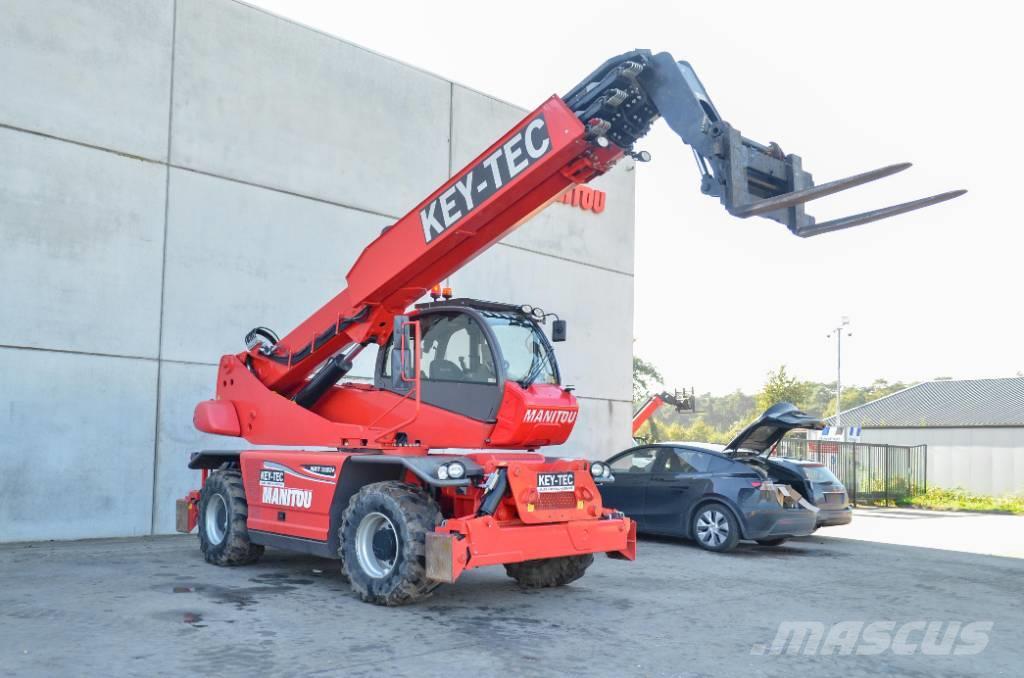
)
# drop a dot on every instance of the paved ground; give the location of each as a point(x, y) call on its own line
point(986, 534)
point(153, 607)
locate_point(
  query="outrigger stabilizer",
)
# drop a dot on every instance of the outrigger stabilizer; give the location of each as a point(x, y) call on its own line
point(750, 179)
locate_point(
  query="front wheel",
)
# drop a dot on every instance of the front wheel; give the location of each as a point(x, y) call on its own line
point(223, 511)
point(547, 572)
point(715, 528)
point(383, 543)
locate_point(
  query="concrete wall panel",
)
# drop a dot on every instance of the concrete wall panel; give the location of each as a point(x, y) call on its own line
point(81, 247)
point(264, 100)
point(76, 445)
point(602, 429)
point(597, 304)
point(88, 70)
point(240, 256)
point(293, 150)
point(604, 239)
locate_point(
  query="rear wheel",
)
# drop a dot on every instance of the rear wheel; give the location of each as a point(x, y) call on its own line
point(715, 528)
point(223, 511)
point(535, 574)
point(778, 541)
point(383, 542)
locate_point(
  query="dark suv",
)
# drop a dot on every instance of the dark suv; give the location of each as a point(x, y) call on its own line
point(719, 494)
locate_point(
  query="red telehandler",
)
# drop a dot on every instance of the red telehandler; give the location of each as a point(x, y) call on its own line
point(681, 401)
point(460, 373)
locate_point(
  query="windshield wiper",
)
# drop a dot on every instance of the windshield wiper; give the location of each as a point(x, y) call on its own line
point(537, 366)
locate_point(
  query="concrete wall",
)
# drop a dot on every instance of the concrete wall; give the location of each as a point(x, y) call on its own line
point(982, 460)
point(175, 173)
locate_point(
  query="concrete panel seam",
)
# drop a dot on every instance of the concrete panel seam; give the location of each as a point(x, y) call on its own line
point(571, 261)
point(98, 354)
point(451, 126)
point(105, 149)
point(606, 400)
point(130, 156)
point(284, 191)
point(287, 192)
point(94, 354)
point(163, 276)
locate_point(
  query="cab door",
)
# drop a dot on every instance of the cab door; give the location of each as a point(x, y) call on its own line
point(457, 364)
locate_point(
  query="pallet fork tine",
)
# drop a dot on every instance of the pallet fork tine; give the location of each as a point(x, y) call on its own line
point(820, 191)
point(875, 215)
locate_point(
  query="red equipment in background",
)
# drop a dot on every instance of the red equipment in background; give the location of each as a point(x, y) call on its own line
point(680, 401)
point(458, 373)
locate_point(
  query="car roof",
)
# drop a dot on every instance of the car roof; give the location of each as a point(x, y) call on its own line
point(710, 447)
point(707, 447)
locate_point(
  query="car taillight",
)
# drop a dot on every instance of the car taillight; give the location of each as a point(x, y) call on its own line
point(755, 483)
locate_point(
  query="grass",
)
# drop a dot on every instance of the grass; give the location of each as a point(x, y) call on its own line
point(959, 499)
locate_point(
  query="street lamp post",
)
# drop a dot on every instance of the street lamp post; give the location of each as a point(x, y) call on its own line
point(838, 332)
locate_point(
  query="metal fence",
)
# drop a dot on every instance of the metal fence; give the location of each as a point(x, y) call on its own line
point(878, 475)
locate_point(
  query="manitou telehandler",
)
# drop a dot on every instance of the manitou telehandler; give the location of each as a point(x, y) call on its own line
point(680, 401)
point(460, 373)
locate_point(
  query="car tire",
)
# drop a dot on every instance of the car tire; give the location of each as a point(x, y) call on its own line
point(383, 543)
point(778, 541)
point(223, 512)
point(548, 572)
point(715, 528)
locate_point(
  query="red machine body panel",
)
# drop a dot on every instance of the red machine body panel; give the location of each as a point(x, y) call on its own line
point(290, 492)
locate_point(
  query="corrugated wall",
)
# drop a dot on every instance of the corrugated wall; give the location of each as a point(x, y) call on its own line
point(982, 460)
point(175, 173)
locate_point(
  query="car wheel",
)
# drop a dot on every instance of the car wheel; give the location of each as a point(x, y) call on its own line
point(715, 528)
point(779, 541)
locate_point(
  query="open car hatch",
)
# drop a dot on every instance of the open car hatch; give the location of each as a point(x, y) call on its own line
point(768, 429)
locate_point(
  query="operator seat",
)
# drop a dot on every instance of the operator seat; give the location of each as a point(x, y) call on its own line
point(446, 370)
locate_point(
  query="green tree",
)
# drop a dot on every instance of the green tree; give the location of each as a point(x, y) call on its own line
point(781, 387)
point(645, 378)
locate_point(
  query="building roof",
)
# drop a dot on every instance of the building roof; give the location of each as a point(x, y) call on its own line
point(944, 403)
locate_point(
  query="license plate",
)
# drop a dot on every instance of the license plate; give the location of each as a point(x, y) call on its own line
point(556, 482)
point(835, 497)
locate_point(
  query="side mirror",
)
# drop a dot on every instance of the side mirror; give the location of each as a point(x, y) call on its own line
point(558, 330)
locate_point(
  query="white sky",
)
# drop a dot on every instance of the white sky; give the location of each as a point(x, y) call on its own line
point(720, 301)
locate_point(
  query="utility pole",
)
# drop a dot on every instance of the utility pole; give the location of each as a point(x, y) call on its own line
point(838, 332)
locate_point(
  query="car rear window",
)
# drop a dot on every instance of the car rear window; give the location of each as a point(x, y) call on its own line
point(819, 474)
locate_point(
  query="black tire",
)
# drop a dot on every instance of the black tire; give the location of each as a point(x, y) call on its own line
point(223, 510)
point(535, 574)
point(778, 541)
point(396, 547)
point(715, 528)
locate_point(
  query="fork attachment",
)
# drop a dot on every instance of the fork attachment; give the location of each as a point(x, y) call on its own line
point(622, 98)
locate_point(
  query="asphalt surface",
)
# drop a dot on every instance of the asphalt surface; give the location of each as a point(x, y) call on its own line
point(152, 606)
point(983, 533)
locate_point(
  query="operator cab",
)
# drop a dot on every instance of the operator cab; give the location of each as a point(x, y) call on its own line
point(469, 349)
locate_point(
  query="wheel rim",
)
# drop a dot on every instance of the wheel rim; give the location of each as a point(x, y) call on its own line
point(376, 545)
point(216, 519)
point(712, 528)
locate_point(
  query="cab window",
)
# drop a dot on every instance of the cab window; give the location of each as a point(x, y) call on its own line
point(454, 347)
